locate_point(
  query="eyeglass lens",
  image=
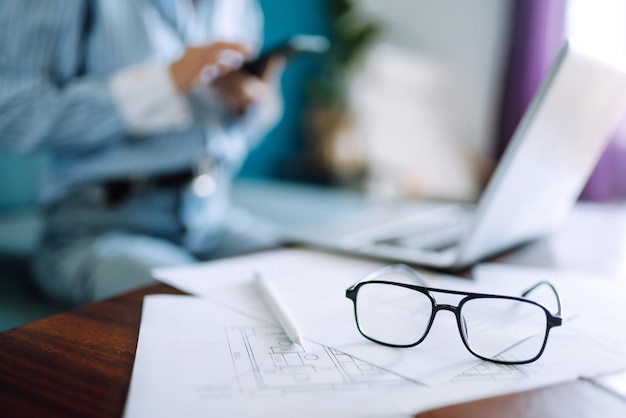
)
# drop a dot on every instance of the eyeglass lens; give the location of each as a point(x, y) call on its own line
point(504, 329)
point(393, 314)
point(501, 329)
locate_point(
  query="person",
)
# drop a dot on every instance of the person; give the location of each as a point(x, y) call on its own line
point(146, 116)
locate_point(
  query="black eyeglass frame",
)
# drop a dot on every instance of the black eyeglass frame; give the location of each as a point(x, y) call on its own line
point(552, 320)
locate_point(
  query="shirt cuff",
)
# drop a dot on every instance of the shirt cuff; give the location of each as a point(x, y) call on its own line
point(148, 100)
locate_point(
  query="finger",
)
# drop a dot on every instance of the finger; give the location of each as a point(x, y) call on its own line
point(225, 61)
point(228, 54)
point(242, 47)
point(207, 62)
point(225, 58)
point(241, 91)
point(228, 61)
point(274, 68)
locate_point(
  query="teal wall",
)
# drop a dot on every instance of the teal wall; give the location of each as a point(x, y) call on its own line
point(19, 180)
point(279, 154)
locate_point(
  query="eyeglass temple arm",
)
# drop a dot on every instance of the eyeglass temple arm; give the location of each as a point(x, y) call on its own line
point(556, 294)
point(387, 269)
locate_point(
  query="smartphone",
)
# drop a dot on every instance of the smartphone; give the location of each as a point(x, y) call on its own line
point(293, 47)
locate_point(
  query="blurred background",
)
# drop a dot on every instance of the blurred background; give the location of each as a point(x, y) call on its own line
point(416, 98)
point(419, 98)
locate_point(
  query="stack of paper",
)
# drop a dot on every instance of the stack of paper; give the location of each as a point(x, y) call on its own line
point(221, 352)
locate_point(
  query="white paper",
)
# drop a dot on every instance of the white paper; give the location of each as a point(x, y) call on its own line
point(196, 359)
point(314, 283)
point(598, 301)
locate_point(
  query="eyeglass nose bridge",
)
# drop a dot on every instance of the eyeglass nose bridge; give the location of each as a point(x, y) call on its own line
point(456, 311)
point(444, 307)
point(437, 307)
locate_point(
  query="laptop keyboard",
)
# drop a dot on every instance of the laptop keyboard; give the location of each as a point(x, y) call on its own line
point(438, 234)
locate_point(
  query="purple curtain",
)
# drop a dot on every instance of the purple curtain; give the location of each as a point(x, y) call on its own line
point(608, 180)
point(537, 33)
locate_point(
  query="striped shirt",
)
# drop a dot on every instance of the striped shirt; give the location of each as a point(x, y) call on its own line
point(85, 81)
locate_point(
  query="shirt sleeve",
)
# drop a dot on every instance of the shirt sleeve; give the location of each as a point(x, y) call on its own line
point(42, 104)
point(148, 100)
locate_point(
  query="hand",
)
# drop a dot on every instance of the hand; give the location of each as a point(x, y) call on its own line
point(215, 60)
point(241, 90)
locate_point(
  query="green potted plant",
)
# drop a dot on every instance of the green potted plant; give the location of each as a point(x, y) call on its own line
point(337, 152)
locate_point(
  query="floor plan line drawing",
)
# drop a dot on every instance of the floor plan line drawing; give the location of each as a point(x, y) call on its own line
point(266, 363)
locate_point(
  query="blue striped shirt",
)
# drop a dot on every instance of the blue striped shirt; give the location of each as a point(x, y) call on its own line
point(57, 60)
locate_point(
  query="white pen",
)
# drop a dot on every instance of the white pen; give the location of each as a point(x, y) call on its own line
point(278, 309)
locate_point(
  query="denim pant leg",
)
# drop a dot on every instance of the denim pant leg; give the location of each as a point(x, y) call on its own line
point(91, 251)
point(243, 232)
point(216, 228)
point(89, 269)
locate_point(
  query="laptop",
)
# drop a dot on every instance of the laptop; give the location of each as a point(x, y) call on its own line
point(535, 185)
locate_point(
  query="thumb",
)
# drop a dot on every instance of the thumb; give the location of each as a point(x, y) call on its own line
point(274, 68)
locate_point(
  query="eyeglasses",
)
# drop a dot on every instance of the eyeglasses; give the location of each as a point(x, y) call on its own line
point(501, 329)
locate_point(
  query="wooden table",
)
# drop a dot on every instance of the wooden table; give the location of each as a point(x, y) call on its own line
point(78, 363)
point(73, 364)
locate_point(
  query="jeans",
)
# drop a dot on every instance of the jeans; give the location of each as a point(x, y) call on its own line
point(91, 250)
